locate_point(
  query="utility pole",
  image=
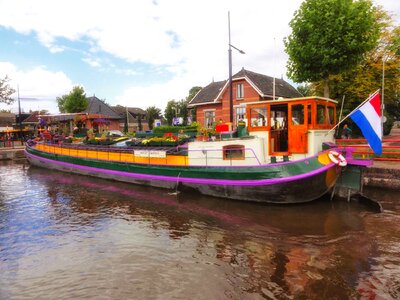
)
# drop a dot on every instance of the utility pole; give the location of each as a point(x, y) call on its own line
point(19, 115)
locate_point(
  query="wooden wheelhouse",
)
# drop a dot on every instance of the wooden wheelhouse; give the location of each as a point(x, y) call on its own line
point(291, 126)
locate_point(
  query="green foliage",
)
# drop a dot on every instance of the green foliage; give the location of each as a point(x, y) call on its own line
point(357, 83)
point(329, 37)
point(171, 111)
point(176, 109)
point(74, 102)
point(174, 129)
point(6, 91)
point(192, 92)
point(184, 111)
point(152, 114)
point(387, 126)
point(305, 90)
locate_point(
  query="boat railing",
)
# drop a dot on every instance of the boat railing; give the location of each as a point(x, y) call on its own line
point(179, 156)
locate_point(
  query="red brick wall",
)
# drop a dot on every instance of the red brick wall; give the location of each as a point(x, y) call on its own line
point(200, 112)
point(222, 109)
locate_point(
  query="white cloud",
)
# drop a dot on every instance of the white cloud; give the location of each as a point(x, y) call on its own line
point(94, 62)
point(38, 87)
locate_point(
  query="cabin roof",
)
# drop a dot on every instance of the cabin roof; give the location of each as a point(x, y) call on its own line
point(263, 84)
point(209, 94)
point(6, 118)
point(32, 118)
point(121, 110)
point(96, 106)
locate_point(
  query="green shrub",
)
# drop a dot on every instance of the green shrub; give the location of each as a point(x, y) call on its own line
point(387, 126)
point(174, 129)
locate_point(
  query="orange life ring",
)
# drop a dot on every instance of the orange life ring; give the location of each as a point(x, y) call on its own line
point(337, 158)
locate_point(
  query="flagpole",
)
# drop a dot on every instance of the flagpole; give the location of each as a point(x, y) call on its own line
point(341, 111)
point(340, 122)
point(383, 93)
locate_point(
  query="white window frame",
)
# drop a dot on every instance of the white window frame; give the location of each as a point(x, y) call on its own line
point(240, 91)
point(206, 123)
point(237, 118)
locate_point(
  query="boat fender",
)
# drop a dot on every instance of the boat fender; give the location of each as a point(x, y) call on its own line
point(337, 158)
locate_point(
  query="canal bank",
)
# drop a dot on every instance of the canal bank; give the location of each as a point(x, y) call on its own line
point(385, 173)
point(382, 174)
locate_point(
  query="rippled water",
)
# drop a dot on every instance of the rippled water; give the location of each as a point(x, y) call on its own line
point(65, 236)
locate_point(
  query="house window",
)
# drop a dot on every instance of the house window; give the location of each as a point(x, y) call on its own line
point(233, 152)
point(209, 118)
point(258, 117)
point(240, 91)
point(240, 114)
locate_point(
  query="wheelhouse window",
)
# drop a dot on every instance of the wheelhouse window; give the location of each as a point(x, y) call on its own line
point(240, 91)
point(233, 152)
point(258, 117)
point(331, 115)
point(321, 114)
point(209, 118)
point(298, 114)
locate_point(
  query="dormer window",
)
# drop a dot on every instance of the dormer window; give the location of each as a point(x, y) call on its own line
point(240, 91)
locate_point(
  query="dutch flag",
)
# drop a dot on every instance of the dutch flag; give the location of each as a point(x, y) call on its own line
point(368, 119)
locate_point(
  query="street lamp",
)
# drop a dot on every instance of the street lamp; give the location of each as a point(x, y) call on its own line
point(230, 69)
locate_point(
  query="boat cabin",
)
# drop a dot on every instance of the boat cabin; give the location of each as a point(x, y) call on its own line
point(291, 124)
point(278, 130)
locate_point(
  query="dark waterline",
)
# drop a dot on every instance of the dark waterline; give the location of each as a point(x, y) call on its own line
point(65, 236)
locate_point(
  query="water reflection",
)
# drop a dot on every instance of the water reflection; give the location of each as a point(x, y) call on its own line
point(78, 237)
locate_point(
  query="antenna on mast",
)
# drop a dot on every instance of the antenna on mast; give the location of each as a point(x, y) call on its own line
point(273, 80)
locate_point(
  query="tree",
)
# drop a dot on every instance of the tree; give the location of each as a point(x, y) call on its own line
point(329, 37)
point(74, 102)
point(357, 83)
point(192, 92)
point(6, 91)
point(152, 114)
point(171, 111)
point(305, 90)
point(184, 111)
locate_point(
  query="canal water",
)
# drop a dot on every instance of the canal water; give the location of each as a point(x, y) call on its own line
point(66, 236)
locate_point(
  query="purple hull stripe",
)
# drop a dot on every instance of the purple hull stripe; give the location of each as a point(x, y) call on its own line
point(186, 179)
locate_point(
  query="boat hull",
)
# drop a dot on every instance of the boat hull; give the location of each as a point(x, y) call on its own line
point(265, 184)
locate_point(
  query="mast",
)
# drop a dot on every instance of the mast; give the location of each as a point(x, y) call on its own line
point(273, 81)
point(230, 70)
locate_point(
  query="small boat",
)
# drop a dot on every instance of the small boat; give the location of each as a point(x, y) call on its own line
point(284, 152)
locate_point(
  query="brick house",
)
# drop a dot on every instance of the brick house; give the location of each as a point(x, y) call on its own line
point(212, 102)
point(137, 120)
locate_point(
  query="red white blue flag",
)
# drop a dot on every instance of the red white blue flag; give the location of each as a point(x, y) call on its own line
point(368, 119)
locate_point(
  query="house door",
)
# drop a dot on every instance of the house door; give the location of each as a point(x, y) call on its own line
point(298, 126)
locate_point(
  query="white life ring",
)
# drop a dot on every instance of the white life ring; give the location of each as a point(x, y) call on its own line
point(337, 158)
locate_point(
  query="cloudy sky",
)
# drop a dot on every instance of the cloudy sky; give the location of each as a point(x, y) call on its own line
point(138, 53)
